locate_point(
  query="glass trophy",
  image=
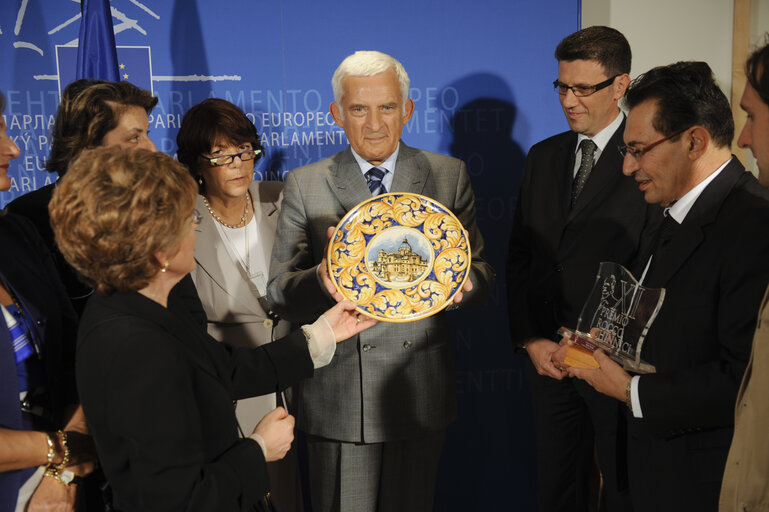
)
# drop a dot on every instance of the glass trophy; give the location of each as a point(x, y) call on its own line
point(615, 318)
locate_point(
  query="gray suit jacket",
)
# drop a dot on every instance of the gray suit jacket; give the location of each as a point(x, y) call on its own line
point(393, 381)
point(234, 314)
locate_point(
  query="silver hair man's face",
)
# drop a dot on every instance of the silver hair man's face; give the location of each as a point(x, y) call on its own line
point(372, 113)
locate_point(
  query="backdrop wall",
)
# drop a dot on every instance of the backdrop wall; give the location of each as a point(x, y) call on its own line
point(480, 78)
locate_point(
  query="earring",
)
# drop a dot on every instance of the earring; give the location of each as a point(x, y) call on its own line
point(165, 266)
point(200, 180)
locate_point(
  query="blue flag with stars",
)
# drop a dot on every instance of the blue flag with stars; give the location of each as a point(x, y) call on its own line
point(96, 52)
point(134, 65)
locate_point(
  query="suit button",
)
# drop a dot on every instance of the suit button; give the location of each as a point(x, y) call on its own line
point(406, 344)
point(367, 347)
point(40, 323)
point(559, 268)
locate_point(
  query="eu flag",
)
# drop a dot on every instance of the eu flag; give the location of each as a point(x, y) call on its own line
point(96, 54)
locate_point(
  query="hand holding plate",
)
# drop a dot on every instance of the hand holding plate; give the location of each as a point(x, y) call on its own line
point(345, 321)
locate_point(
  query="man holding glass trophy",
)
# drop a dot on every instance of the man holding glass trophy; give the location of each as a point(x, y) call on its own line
point(711, 256)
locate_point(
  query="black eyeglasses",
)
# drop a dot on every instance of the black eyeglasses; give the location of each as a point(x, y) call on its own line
point(581, 91)
point(221, 160)
point(637, 153)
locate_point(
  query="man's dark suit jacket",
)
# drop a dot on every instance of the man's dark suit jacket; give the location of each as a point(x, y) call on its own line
point(554, 249)
point(158, 393)
point(554, 255)
point(26, 267)
point(714, 270)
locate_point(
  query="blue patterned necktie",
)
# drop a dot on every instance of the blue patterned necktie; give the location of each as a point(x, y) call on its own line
point(374, 179)
point(22, 344)
point(588, 148)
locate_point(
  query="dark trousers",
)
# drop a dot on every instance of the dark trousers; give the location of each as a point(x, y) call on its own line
point(572, 421)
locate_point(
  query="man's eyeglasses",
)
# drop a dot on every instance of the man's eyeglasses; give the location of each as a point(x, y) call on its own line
point(221, 160)
point(581, 91)
point(637, 153)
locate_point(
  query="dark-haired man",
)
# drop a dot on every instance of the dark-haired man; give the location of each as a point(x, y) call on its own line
point(747, 467)
point(712, 257)
point(575, 210)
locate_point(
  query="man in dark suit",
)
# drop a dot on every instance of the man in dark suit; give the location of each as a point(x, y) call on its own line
point(376, 416)
point(712, 257)
point(575, 210)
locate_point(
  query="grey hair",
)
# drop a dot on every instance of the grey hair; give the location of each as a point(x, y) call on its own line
point(369, 63)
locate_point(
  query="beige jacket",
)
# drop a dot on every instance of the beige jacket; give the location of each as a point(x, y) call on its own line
point(746, 479)
point(234, 315)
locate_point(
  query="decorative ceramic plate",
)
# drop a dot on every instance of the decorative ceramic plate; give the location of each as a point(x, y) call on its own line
point(399, 257)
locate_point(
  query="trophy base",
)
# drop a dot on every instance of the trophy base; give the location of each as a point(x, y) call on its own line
point(580, 353)
point(579, 357)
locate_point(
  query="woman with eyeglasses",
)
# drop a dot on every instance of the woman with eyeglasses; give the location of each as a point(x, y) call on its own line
point(220, 146)
point(157, 390)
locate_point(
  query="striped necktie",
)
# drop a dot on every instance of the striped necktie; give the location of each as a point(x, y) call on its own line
point(22, 344)
point(588, 148)
point(374, 179)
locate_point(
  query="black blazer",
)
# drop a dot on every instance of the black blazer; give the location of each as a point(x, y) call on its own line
point(715, 270)
point(158, 393)
point(554, 249)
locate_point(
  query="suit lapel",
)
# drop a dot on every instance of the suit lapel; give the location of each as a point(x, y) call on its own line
point(564, 166)
point(411, 171)
point(211, 254)
point(607, 170)
point(266, 214)
point(690, 234)
point(346, 180)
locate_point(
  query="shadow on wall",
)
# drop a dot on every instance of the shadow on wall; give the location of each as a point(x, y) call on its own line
point(485, 466)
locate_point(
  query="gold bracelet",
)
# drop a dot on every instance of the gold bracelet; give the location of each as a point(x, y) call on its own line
point(65, 459)
point(51, 449)
point(628, 394)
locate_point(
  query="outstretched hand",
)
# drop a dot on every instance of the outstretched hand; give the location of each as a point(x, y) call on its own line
point(345, 321)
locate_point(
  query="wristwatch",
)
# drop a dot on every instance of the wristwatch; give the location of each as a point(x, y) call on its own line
point(67, 477)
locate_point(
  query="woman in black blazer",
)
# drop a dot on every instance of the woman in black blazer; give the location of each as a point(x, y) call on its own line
point(157, 391)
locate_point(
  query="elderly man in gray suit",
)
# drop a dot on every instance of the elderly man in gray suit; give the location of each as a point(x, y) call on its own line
point(376, 416)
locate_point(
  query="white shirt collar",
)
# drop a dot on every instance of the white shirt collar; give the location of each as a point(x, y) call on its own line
point(681, 208)
point(388, 165)
point(602, 138)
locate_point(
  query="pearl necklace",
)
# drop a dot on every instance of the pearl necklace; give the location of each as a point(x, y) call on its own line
point(219, 219)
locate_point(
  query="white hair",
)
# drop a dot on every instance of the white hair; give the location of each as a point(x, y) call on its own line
point(369, 63)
